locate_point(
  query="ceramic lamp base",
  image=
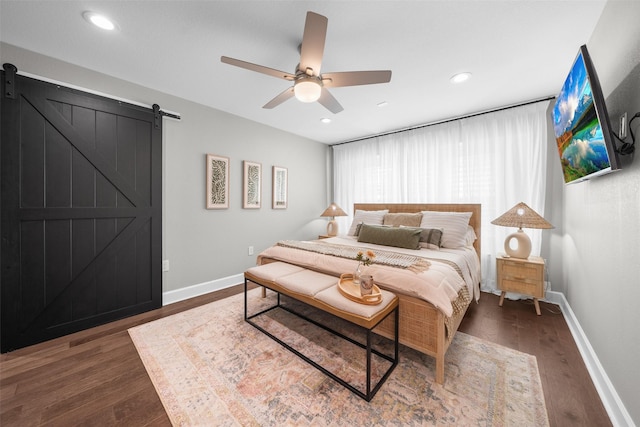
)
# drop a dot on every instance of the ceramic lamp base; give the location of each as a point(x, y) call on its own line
point(332, 228)
point(523, 250)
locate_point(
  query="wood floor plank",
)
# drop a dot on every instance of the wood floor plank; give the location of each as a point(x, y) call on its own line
point(141, 409)
point(18, 361)
point(109, 391)
point(47, 393)
point(65, 364)
point(95, 377)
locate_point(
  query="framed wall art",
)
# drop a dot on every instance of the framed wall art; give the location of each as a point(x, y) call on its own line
point(280, 187)
point(252, 194)
point(217, 182)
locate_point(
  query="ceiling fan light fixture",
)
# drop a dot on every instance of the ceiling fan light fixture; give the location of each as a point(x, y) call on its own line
point(307, 90)
point(308, 84)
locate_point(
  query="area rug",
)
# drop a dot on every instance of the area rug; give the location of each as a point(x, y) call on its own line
point(211, 368)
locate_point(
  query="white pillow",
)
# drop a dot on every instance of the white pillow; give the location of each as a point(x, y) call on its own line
point(471, 236)
point(366, 217)
point(453, 224)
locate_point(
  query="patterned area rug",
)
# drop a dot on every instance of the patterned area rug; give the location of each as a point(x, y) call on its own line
point(210, 367)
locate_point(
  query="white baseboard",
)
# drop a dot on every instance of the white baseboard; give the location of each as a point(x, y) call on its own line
point(170, 297)
point(613, 404)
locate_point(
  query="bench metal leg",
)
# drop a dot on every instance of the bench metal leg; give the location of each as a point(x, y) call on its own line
point(369, 364)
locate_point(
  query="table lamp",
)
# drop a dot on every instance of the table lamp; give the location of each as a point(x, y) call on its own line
point(333, 211)
point(520, 216)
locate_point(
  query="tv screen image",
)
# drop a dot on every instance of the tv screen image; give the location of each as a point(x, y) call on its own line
point(581, 124)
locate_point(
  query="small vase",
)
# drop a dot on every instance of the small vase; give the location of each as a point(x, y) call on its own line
point(358, 273)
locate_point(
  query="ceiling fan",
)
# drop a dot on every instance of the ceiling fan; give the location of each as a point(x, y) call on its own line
point(308, 84)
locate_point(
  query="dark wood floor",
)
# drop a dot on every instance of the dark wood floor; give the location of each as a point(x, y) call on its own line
point(95, 377)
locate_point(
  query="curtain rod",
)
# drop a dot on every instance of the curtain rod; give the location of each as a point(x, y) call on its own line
point(522, 104)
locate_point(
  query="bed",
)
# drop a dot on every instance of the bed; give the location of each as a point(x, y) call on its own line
point(433, 301)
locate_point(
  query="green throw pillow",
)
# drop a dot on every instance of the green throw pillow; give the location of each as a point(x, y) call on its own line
point(403, 237)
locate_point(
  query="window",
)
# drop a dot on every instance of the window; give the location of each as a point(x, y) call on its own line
point(497, 159)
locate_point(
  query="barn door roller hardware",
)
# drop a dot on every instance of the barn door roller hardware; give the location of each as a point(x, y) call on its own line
point(158, 113)
point(10, 71)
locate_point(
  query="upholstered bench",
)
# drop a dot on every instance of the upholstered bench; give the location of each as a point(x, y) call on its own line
point(321, 291)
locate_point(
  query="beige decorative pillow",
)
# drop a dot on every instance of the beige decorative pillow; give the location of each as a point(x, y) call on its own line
point(406, 219)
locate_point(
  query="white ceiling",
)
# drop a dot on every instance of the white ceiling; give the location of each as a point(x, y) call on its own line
point(517, 50)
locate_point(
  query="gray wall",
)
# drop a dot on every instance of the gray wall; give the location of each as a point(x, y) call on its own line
point(209, 246)
point(601, 229)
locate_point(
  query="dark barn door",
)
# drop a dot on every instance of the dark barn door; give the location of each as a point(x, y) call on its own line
point(81, 211)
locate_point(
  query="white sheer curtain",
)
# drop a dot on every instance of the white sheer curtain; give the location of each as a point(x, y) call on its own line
point(497, 159)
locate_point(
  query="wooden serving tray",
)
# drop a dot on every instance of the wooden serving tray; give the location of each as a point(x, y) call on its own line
point(352, 291)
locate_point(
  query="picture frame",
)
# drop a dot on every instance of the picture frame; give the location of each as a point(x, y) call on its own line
point(252, 191)
point(280, 190)
point(217, 196)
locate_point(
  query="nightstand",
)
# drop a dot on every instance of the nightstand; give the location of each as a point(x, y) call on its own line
point(523, 276)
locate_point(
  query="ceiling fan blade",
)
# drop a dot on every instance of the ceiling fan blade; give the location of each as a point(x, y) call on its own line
point(329, 102)
point(312, 48)
point(279, 99)
point(257, 68)
point(355, 78)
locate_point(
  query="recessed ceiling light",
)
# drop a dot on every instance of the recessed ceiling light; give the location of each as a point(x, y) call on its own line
point(325, 120)
point(98, 20)
point(383, 104)
point(460, 77)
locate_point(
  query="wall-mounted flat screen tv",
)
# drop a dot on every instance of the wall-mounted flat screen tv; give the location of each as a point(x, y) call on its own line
point(581, 124)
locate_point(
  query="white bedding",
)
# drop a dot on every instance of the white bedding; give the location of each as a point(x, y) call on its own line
point(439, 284)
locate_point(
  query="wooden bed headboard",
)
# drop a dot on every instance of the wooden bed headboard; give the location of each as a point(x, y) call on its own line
point(475, 221)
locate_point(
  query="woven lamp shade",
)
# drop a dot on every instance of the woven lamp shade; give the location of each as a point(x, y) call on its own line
point(333, 211)
point(520, 216)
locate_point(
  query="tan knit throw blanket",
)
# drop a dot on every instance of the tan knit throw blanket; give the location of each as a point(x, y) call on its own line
point(393, 259)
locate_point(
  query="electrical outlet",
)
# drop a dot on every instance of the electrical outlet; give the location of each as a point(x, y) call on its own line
point(250, 250)
point(165, 265)
point(622, 132)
